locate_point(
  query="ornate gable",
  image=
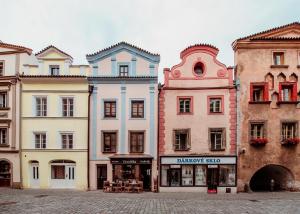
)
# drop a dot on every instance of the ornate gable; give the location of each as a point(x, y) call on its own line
point(52, 52)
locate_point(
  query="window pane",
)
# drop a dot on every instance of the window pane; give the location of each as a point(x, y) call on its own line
point(200, 175)
point(164, 175)
point(227, 175)
point(187, 175)
point(58, 172)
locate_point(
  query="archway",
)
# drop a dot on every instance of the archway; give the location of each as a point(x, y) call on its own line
point(261, 180)
point(5, 173)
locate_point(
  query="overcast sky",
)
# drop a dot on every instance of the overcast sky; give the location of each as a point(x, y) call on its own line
point(159, 26)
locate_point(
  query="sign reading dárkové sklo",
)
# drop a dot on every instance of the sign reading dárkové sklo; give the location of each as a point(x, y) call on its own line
point(198, 160)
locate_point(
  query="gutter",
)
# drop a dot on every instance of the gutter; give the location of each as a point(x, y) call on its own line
point(158, 135)
point(91, 88)
point(20, 131)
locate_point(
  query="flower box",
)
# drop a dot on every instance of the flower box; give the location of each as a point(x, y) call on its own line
point(290, 141)
point(258, 141)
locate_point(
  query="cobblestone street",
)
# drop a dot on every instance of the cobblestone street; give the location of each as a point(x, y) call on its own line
point(65, 201)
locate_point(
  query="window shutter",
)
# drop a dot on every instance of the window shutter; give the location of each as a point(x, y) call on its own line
point(294, 93)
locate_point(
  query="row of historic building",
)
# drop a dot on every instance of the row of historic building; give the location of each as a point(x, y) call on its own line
point(208, 127)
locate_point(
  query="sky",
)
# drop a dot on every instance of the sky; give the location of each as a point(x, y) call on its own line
point(160, 26)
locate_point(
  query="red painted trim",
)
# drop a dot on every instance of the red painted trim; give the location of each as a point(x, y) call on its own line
point(191, 105)
point(203, 67)
point(198, 78)
point(188, 51)
point(264, 85)
point(161, 121)
point(198, 88)
point(222, 105)
point(294, 90)
point(232, 120)
point(166, 76)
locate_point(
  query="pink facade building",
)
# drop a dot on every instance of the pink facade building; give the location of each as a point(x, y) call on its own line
point(197, 124)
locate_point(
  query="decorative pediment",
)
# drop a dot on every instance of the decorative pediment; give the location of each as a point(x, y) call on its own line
point(10, 48)
point(52, 52)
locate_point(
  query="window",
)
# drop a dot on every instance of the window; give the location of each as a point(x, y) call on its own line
point(215, 105)
point(3, 99)
point(57, 172)
point(199, 69)
point(3, 136)
point(288, 130)
point(41, 106)
point(185, 105)
point(136, 142)
point(227, 175)
point(187, 175)
point(123, 70)
point(257, 130)
point(217, 139)
point(54, 70)
point(35, 171)
point(1, 68)
point(68, 107)
point(109, 142)
point(200, 175)
point(259, 92)
point(288, 91)
point(181, 140)
point(67, 141)
point(40, 141)
point(110, 109)
point(137, 109)
point(278, 58)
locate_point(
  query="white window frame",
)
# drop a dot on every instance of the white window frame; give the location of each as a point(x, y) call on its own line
point(42, 110)
point(40, 140)
point(5, 103)
point(68, 106)
point(223, 139)
point(2, 73)
point(68, 140)
point(212, 104)
point(1, 136)
point(294, 131)
point(55, 68)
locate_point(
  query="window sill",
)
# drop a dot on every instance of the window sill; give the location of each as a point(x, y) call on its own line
point(260, 102)
point(4, 145)
point(4, 109)
point(137, 118)
point(287, 102)
point(216, 113)
point(188, 113)
point(217, 150)
point(108, 152)
point(136, 153)
point(181, 150)
point(279, 66)
point(109, 118)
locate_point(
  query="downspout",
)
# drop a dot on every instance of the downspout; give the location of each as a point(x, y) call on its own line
point(158, 137)
point(20, 131)
point(91, 88)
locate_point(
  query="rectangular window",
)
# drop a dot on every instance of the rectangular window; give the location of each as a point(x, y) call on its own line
point(185, 105)
point(215, 105)
point(217, 139)
point(181, 140)
point(136, 142)
point(288, 92)
point(68, 107)
point(257, 130)
point(57, 172)
point(41, 106)
point(40, 140)
point(67, 141)
point(110, 109)
point(54, 70)
point(3, 99)
point(288, 130)
point(200, 175)
point(137, 109)
point(3, 136)
point(123, 70)
point(278, 58)
point(1, 68)
point(227, 175)
point(259, 92)
point(187, 175)
point(109, 142)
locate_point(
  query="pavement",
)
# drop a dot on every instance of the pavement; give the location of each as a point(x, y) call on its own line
point(71, 201)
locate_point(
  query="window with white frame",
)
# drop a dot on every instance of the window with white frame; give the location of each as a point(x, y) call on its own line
point(40, 140)
point(278, 58)
point(288, 130)
point(3, 99)
point(41, 106)
point(68, 106)
point(257, 130)
point(67, 140)
point(54, 70)
point(215, 105)
point(181, 139)
point(1, 68)
point(217, 139)
point(3, 136)
point(137, 108)
point(123, 70)
point(185, 105)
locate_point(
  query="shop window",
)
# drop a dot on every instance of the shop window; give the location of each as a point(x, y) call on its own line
point(1, 68)
point(174, 177)
point(109, 142)
point(164, 175)
point(217, 139)
point(257, 130)
point(215, 105)
point(67, 141)
point(288, 130)
point(185, 105)
point(40, 140)
point(288, 92)
point(136, 142)
point(41, 106)
point(259, 92)
point(200, 175)
point(3, 136)
point(181, 140)
point(137, 109)
point(278, 58)
point(54, 70)
point(68, 106)
point(123, 70)
point(187, 175)
point(227, 175)
point(109, 109)
point(3, 99)
point(57, 172)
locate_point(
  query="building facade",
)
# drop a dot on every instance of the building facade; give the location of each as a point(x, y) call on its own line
point(123, 107)
point(54, 122)
point(11, 59)
point(197, 123)
point(267, 69)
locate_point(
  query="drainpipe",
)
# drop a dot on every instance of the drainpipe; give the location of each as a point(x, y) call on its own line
point(20, 131)
point(91, 88)
point(157, 145)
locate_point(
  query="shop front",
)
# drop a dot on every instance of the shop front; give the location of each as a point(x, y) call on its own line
point(210, 174)
point(127, 168)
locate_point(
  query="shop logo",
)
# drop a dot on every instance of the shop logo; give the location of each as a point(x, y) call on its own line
point(198, 160)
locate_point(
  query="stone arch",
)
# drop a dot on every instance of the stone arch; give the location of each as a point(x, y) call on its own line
point(281, 77)
point(261, 180)
point(269, 78)
point(293, 77)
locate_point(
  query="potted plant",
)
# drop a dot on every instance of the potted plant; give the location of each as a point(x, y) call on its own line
point(258, 141)
point(290, 141)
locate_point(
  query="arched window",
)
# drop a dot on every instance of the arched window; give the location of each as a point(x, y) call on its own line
point(199, 69)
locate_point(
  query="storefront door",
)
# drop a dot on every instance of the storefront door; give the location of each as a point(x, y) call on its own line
point(212, 178)
point(174, 177)
point(146, 176)
point(5, 175)
point(101, 175)
point(34, 175)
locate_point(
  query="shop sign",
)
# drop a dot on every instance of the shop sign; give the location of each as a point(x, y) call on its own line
point(131, 161)
point(198, 160)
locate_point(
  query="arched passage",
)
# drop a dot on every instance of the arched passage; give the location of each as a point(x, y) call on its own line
point(5, 173)
point(282, 177)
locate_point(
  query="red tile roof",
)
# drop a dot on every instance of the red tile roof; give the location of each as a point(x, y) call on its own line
point(18, 47)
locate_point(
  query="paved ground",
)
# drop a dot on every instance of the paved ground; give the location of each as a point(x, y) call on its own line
point(65, 201)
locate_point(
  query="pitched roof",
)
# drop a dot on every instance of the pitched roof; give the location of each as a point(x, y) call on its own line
point(200, 46)
point(16, 47)
point(122, 45)
point(52, 46)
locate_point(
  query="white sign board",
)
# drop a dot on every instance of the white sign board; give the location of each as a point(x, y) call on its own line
point(198, 160)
